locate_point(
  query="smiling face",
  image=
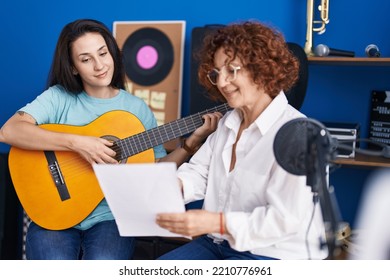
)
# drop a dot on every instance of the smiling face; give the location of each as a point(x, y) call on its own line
point(241, 92)
point(93, 62)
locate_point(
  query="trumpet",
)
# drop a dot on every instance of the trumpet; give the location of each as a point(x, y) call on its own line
point(315, 25)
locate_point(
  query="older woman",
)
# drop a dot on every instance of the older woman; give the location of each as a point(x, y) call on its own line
point(253, 209)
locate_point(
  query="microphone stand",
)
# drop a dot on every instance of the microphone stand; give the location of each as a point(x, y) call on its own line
point(317, 160)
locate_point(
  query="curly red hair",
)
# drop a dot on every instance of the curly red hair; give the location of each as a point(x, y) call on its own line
point(262, 50)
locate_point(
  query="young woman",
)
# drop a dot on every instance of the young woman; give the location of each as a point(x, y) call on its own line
point(253, 209)
point(85, 82)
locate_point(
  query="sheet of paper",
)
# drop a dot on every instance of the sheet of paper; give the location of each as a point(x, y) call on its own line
point(137, 192)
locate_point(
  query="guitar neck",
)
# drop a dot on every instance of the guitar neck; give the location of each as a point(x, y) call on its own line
point(148, 139)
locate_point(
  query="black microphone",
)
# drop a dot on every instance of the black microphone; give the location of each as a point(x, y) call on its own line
point(324, 50)
point(372, 51)
point(304, 146)
point(294, 142)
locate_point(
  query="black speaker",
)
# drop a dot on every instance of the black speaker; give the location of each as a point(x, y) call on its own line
point(10, 215)
point(199, 100)
point(150, 248)
point(167, 244)
point(145, 248)
point(3, 165)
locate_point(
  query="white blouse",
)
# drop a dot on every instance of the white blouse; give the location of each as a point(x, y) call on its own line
point(268, 211)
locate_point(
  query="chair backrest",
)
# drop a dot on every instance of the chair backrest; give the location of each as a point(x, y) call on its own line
point(297, 93)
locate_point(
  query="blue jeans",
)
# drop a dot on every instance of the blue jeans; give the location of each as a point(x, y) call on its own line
point(204, 248)
point(100, 242)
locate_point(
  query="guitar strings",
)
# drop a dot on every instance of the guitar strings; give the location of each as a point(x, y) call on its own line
point(140, 143)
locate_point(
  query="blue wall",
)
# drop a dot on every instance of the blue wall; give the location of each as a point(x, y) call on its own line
point(29, 30)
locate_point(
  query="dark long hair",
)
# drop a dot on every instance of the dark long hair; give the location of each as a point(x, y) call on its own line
point(61, 72)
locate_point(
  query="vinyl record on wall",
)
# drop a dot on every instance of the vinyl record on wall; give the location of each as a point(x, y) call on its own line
point(153, 60)
point(148, 56)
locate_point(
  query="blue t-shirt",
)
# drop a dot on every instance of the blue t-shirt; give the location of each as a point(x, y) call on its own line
point(57, 106)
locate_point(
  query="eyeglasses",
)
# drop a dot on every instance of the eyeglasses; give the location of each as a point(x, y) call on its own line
point(228, 71)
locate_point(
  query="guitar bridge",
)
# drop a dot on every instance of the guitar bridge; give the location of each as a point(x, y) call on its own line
point(56, 174)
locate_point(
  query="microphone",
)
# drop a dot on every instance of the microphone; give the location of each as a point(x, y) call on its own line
point(324, 50)
point(372, 51)
point(294, 142)
point(303, 147)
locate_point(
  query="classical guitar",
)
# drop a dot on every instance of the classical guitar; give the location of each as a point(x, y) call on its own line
point(59, 189)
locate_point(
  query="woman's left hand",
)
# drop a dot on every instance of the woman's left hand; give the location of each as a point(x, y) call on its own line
point(190, 223)
point(210, 124)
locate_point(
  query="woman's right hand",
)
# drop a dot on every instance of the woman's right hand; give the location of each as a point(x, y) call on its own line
point(94, 149)
point(21, 131)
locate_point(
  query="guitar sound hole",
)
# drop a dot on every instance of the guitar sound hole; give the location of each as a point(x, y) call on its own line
point(115, 147)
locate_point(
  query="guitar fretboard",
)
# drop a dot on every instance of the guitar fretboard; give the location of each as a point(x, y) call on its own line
point(153, 137)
